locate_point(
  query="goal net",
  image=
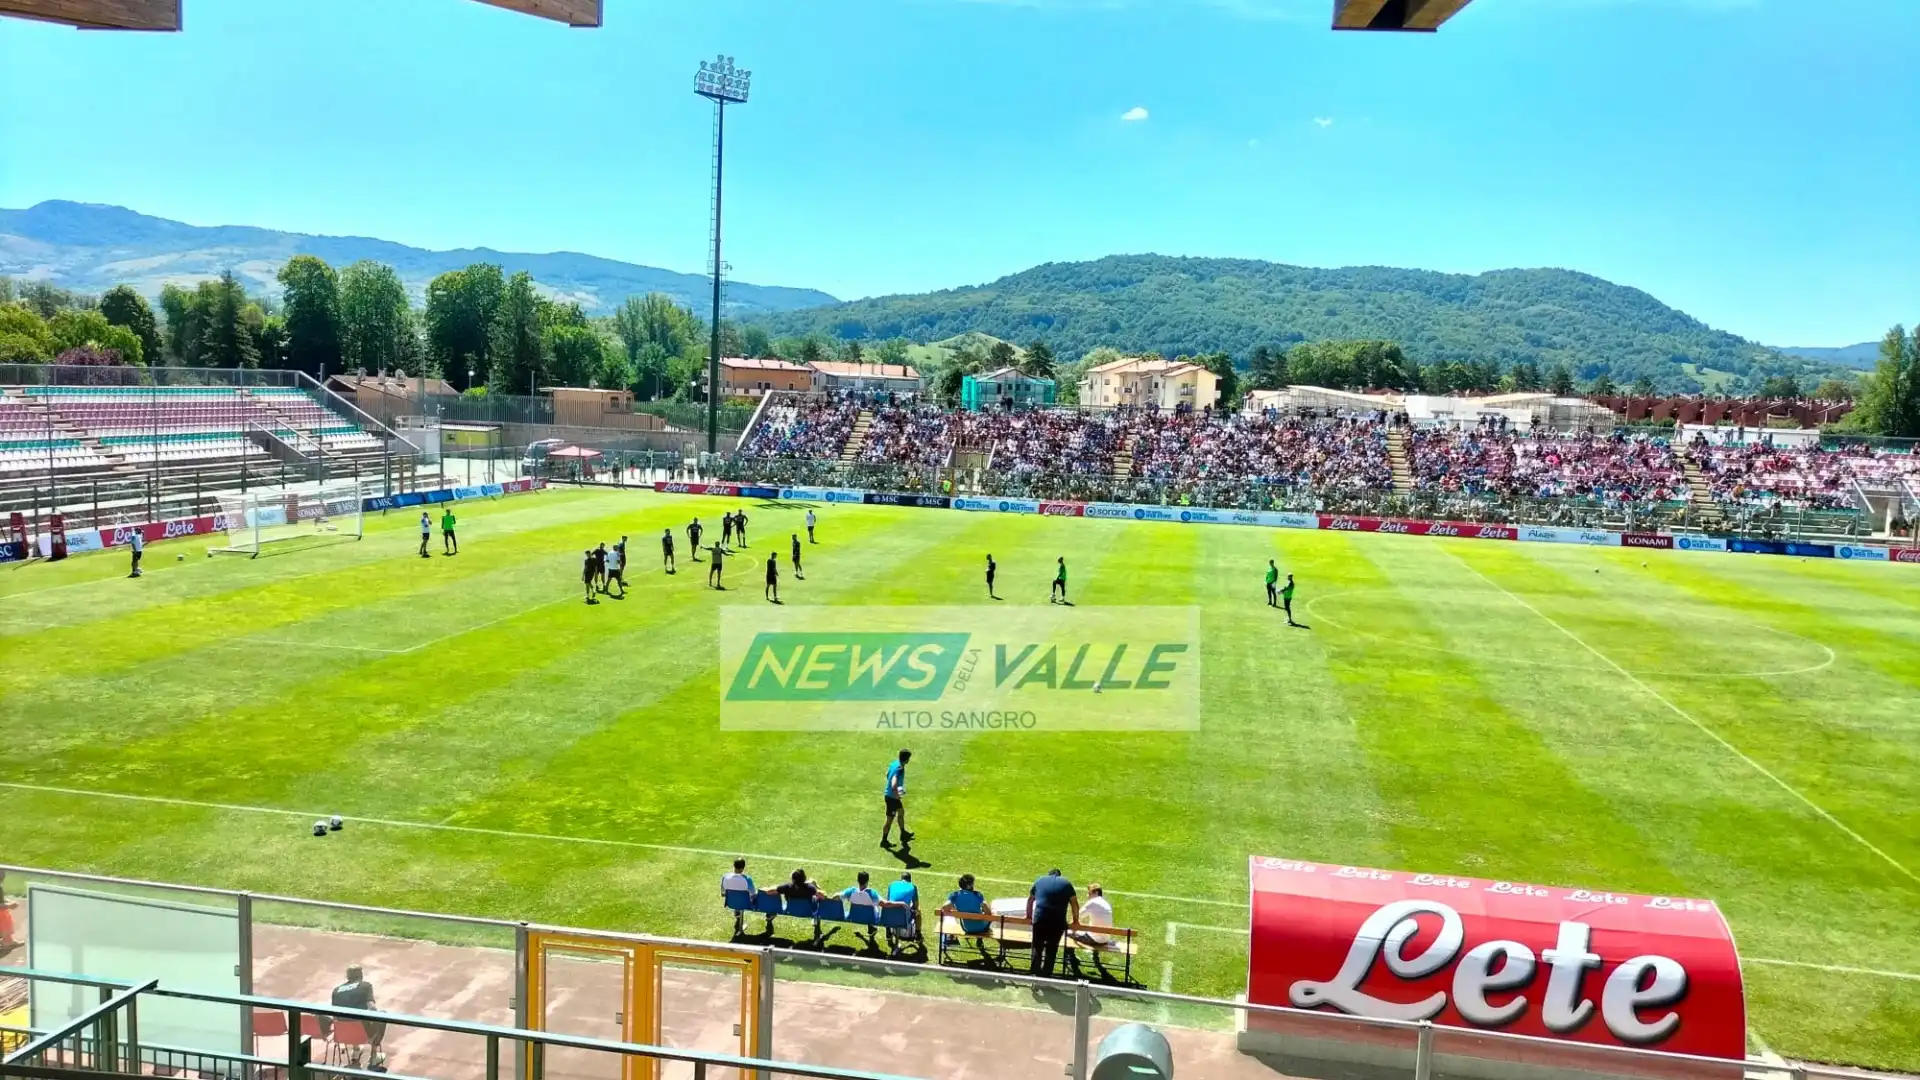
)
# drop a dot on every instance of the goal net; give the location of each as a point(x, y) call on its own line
point(259, 520)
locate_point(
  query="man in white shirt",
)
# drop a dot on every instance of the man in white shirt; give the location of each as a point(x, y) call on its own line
point(1097, 911)
point(738, 881)
point(810, 521)
point(426, 533)
point(138, 543)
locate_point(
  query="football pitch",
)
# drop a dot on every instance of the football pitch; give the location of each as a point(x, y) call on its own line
point(1744, 729)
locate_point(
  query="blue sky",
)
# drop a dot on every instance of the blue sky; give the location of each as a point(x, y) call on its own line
point(1753, 162)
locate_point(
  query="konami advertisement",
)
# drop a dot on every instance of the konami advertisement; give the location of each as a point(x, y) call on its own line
point(1588, 966)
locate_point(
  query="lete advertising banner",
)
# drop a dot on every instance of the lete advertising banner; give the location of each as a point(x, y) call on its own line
point(1549, 534)
point(1585, 966)
point(1343, 523)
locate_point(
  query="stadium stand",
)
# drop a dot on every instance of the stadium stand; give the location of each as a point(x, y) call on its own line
point(124, 451)
point(1350, 459)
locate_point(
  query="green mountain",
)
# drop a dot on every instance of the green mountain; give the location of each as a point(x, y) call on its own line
point(1862, 356)
point(1140, 303)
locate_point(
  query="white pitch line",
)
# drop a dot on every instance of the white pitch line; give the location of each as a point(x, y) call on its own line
point(1835, 968)
point(510, 834)
point(1241, 930)
point(1689, 718)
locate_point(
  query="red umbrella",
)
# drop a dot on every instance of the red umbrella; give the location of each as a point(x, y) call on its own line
point(574, 452)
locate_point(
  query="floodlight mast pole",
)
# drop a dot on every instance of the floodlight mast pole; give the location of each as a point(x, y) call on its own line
point(721, 83)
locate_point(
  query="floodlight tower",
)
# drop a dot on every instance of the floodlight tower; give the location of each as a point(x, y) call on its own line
point(723, 84)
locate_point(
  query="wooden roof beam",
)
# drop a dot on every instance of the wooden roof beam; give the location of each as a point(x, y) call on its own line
point(583, 13)
point(161, 15)
point(1416, 15)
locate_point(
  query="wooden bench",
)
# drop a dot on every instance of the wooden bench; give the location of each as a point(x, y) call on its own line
point(1016, 931)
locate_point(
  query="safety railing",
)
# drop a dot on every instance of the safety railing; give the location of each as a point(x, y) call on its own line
point(951, 1011)
point(106, 1039)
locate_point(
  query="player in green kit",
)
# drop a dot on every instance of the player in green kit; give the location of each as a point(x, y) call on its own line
point(1273, 591)
point(1286, 600)
point(1058, 595)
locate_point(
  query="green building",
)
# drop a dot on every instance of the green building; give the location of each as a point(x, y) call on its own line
point(1006, 388)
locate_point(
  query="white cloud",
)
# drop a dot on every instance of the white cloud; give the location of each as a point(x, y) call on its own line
point(1134, 115)
point(1324, 121)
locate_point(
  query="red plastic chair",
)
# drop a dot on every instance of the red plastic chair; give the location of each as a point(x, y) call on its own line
point(349, 1040)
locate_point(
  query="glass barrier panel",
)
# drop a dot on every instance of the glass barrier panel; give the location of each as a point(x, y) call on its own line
point(832, 1010)
point(416, 965)
point(1216, 1041)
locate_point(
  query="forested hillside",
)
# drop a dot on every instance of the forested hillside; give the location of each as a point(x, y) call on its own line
point(1175, 306)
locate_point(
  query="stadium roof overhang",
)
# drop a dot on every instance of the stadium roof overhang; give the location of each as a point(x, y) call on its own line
point(164, 15)
point(1416, 15)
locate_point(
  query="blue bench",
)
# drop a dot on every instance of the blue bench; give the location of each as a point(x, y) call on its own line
point(895, 919)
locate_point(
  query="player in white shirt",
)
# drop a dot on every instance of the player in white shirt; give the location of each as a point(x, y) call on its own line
point(810, 520)
point(426, 533)
point(1097, 911)
point(617, 567)
point(138, 543)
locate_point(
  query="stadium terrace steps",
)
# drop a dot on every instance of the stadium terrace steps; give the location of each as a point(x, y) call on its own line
point(1700, 495)
point(1397, 457)
point(1123, 463)
point(857, 439)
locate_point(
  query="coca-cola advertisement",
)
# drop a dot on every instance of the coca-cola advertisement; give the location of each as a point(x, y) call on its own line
point(1063, 509)
point(1646, 540)
point(1906, 555)
point(1583, 965)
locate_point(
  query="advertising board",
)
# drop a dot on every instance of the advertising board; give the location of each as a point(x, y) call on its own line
point(1592, 966)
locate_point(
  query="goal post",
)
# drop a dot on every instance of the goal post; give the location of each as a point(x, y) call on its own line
point(257, 521)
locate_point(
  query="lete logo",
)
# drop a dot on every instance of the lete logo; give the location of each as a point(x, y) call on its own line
point(1632, 998)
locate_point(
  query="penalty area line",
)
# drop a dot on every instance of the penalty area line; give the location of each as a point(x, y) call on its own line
point(510, 834)
point(1689, 718)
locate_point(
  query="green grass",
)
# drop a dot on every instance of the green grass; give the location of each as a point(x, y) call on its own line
point(1429, 721)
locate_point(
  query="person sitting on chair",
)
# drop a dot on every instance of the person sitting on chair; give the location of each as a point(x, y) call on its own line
point(357, 993)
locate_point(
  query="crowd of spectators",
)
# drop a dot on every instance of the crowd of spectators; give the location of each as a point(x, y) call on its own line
point(1334, 463)
point(1192, 449)
point(803, 427)
point(1760, 473)
point(1492, 459)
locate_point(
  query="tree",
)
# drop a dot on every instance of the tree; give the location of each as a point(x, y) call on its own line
point(754, 341)
point(226, 341)
point(1890, 396)
point(461, 307)
point(73, 328)
point(1267, 369)
point(575, 355)
point(517, 350)
point(892, 351)
point(1780, 386)
point(1602, 386)
point(1038, 361)
point(851, 353)
point(88, 356)
point(1643, 386)
point(811, 351)
point(311, 294)
point(1834, 388)
point(122, 306)
point(1559, 381)
point(23, 336)
point(374, 317)
point(47, 300)
point(1526, 375)
point(653, 330)
point(1000, 355)
point(185, 324)
point(1229, 380)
